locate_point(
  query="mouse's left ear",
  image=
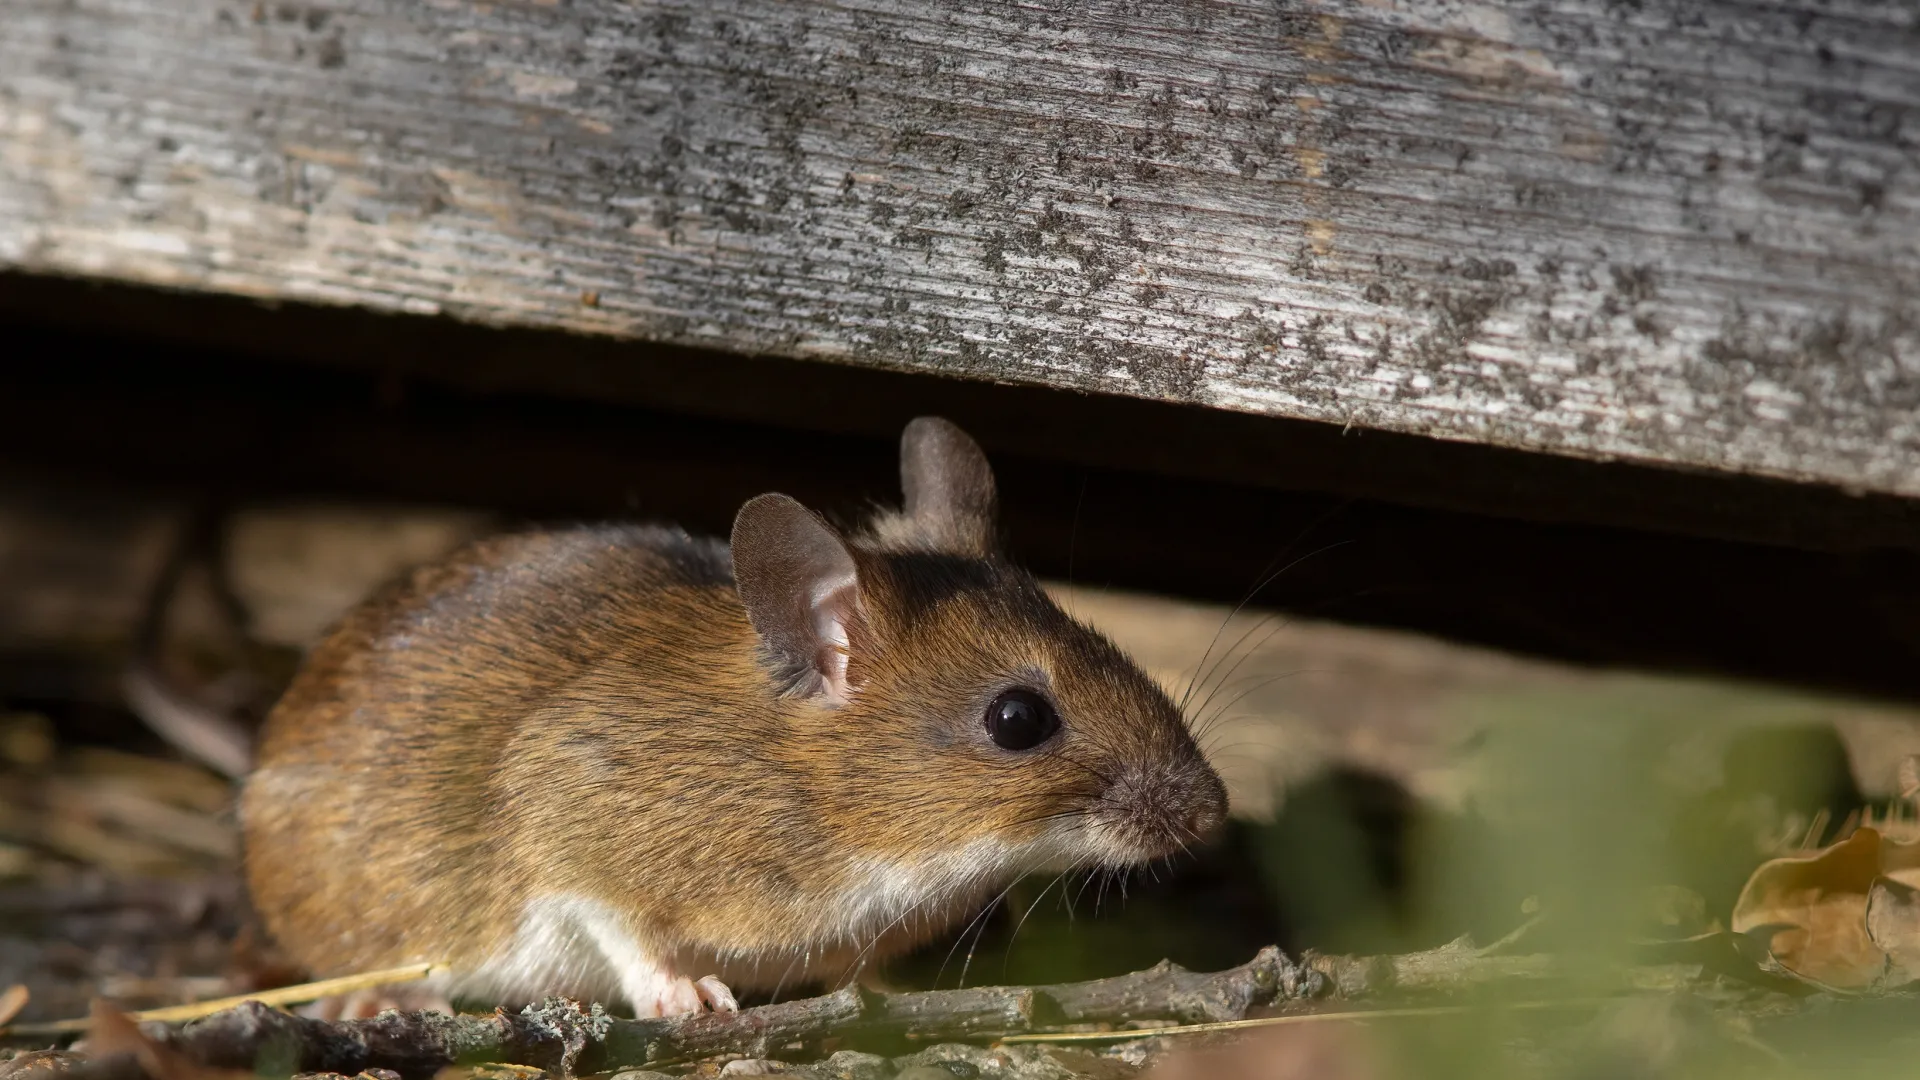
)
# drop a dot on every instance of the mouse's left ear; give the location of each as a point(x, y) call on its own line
point(951, 497)
point(798, 581)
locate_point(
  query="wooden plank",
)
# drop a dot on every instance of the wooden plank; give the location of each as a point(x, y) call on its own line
point(1671, 231)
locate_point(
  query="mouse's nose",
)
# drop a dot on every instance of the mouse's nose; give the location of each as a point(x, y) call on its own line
point(1166, 808)
point(1201, 821)
point(1208, 811)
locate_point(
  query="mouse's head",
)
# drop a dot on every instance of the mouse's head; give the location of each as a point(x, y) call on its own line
point(963, 717)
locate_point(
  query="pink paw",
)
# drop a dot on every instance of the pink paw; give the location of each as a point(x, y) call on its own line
point(716, 995)
point(682, 995)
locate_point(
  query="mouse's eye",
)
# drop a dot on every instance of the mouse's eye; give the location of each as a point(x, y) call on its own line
point(1021, 720)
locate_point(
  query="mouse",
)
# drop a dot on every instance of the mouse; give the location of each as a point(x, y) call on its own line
point(626, 764)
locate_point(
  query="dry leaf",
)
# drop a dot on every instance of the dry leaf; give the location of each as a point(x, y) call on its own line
point(1900, 859)
point(1845, 918)
point(11, 1002)
point(1893, 924)
point(114, 1033)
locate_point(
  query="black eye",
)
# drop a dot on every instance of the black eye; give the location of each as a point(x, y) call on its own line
point(1021, 720)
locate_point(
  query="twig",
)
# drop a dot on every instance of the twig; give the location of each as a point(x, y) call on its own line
point(1455, 965)
point(194, 729)
point(1164, 991)
point(214, 739)
point(564, 1038)
point(1296, 1018)
point(285, 995)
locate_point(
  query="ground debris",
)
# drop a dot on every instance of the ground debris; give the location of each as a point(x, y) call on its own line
point(564, 1039)
point(1289, 1000)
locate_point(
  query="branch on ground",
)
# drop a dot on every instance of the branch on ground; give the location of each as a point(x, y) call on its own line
point(564, 1038)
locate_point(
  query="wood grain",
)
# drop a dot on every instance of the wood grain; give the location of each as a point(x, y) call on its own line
point(1671, 231)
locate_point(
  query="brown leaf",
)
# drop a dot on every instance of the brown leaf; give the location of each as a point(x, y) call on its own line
point(1818, 906)
point(114, 1033)
point(1900, 860)
point(11, 1002)
point(1846, 917)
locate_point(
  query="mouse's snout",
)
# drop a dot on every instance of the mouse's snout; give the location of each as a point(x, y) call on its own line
point(1162, 809)
point(1209, 811)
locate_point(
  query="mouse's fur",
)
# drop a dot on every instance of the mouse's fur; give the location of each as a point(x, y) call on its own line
point(585, 762)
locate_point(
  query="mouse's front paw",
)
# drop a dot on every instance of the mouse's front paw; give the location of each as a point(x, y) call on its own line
point(681, 995)
point(716, 995)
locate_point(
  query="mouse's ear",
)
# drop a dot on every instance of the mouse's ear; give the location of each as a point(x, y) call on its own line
point(949, 486)
point(797, 579)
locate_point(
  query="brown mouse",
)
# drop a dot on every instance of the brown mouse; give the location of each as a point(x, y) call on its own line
point(624, 762)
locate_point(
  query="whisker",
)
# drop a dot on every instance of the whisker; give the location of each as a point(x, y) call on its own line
point(1057, 815)
point(1263, 583)
point(1107, 881)
point(860, 958)
point(978, 923)
point(1084, 767)
point(1279, 623)
point(973, 947)
point(1261, 684)
point(1233, 750)
point(1275, 618)
point(1068, 898)
point(781, 983)
point(979, 920)
point(1006, 958)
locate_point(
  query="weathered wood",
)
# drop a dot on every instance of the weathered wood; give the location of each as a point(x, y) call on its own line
point(1668, 231)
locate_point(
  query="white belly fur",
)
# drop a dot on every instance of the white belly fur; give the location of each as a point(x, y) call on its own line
point(572, 946)
point(581, 947)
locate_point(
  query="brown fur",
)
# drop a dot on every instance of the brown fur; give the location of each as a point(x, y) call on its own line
point(590, 712)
